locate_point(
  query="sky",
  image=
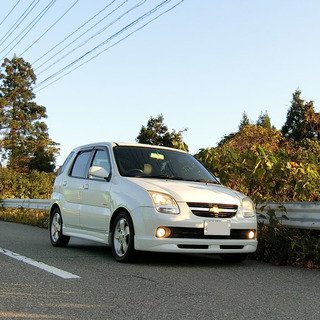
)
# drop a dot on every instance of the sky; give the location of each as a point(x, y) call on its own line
point(201, 65)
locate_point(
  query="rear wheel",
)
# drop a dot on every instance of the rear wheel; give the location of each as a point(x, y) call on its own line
point(56, 236)
point(234, 257)
point(122, 238)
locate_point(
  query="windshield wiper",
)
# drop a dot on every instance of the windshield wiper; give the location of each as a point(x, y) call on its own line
point(204, 180)
point(163, 176)
point(171, 177)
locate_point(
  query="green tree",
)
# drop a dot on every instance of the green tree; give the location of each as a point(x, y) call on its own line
point(258, 161)
point(302, 121)
point(228, 137)
point(253, 135)
point(157, 133)
point(266, 175)
point(245, 121)
point(24, 138)
point(264, 121)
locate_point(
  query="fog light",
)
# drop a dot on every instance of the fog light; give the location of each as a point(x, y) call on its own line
point(251, 234)
point(163, 232)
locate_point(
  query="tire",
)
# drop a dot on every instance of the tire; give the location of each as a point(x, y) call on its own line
point(234, 257)
point(122, 238)
point(56, 236)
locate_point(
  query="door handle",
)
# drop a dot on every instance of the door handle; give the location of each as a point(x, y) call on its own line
point(64, 183)
point(86, 186)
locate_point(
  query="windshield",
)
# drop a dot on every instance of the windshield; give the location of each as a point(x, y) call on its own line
point(146, 162)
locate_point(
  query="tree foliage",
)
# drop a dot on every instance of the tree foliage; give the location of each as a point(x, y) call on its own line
point(260, 162)
point(266, 175)
point(264, 121)
point(244, 121)
point(302, 120)
point(33, 185)
point(24, 138)
point(284, 175)
point(157, 133)
point(254, 135)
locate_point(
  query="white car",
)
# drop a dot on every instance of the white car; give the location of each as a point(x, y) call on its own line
point(149, 198)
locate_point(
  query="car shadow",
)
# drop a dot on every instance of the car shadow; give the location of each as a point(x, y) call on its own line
point(182, 259)
point(91, 248)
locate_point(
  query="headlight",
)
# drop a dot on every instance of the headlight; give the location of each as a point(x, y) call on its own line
point(164, 203)
point(248, 208)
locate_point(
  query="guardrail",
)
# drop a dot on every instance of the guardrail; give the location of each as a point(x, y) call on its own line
point(41, 204)
point(305, 215)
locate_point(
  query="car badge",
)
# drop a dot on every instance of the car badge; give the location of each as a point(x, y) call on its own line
point(215, 210)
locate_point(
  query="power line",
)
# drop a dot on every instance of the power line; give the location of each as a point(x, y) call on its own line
point(34, 22)
point(21, 17)
point(85, 32)
point(4, 19)
point(50, 27)
point(96, 34)
point(106, 41)
point(71, 34)
point(116, 43)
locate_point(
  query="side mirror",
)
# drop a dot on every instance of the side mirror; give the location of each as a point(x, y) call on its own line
point(99, 172)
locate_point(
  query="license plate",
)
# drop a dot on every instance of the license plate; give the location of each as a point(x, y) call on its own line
point(217, 227)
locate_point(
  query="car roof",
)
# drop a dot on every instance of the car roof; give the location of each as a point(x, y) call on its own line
point(128, 144)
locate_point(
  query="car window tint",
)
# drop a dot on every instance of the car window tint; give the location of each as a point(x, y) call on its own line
point(79, 168)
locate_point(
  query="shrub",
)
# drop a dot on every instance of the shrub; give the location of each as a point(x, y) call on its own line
point(38, 218)
point(33, 185)
point(288, 246)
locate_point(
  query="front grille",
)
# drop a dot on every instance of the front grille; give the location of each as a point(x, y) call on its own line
point(213, 210)
point(198, 233)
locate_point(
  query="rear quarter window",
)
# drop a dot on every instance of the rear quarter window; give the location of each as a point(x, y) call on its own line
point(80, 165)
point(65, 164)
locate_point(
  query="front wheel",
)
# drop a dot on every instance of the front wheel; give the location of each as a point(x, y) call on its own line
point(122, 238)
point(56, 236)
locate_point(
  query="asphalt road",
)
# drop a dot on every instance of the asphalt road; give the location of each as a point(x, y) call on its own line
point(156, 286)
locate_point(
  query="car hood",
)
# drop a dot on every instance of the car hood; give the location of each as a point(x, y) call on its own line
point(189, 191)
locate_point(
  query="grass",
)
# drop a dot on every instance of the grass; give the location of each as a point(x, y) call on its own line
point(38, 218)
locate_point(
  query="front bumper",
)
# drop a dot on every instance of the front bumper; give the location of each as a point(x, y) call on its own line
point(195, 245)
point(187, 234)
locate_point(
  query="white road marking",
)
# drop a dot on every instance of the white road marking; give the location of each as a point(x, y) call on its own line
point(58, 272)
